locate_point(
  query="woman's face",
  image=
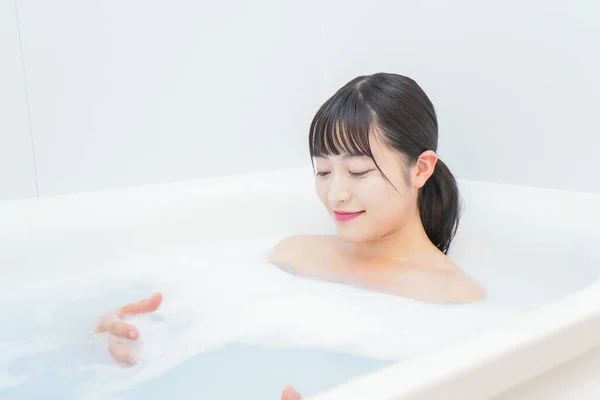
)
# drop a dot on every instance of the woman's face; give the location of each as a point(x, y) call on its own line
point(363, 204)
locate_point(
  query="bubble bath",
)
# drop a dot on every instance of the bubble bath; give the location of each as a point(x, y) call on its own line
point(230, 307)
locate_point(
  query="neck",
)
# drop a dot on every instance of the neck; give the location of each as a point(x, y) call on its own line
point(403, 243)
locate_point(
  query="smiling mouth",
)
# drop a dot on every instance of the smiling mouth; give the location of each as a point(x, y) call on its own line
point(346, 216)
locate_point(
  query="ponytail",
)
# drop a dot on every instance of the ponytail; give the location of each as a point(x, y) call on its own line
point(439, 207)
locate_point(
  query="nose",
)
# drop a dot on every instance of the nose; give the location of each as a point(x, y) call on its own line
point(338, 192)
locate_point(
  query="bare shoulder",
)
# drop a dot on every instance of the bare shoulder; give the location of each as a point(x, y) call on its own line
point(457, 286)
point(465, 290)
point(431, 278)
point(293, 245)
point(295, 253)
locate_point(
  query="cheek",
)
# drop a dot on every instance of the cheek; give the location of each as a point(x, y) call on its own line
point(386, 205)
point(321, 190)
point(377, 195)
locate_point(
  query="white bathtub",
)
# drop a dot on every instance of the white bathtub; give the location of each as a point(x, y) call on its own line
point(545, 240)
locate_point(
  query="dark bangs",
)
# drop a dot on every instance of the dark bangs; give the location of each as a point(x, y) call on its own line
point(342, 125)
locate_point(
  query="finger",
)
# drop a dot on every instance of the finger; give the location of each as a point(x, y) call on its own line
point(115, 325)
point(121, 353)
point(147, 305)
point(289, 393)
point(124, 330)
point(108, 320)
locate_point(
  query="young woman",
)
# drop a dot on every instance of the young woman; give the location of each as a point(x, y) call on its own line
point(394, 202)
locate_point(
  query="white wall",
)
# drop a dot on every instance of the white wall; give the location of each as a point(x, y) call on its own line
point(515, 83)
point(17, 172)
point(134, 92)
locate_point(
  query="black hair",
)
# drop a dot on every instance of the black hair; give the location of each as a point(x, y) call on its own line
point(405, 117)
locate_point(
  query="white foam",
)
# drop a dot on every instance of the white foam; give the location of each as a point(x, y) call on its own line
point(228, 293)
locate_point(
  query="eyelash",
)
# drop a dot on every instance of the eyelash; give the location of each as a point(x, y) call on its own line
point(353, 174)
point(358, 174)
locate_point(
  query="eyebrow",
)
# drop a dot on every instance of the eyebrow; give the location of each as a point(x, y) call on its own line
point(346, 156)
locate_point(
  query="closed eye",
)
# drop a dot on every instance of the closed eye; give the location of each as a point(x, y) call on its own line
point(322, 173)
point(359, 174)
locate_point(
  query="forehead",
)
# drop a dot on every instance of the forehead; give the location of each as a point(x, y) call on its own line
point(365, 146)
point(382, 155)
point(342, 157)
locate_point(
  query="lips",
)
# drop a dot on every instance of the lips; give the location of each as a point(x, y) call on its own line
point(343, 216)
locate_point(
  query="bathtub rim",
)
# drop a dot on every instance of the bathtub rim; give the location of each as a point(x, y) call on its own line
point(475, 368)
point(20, 214)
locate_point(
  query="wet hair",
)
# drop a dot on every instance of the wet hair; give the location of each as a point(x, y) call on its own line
point(405, 119)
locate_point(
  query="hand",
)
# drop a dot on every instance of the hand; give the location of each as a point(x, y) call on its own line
point(289, 393)
point(114, 324)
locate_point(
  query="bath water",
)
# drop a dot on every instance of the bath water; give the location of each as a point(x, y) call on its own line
point(231, 326)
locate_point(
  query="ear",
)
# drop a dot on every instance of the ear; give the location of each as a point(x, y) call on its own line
point(424, 168)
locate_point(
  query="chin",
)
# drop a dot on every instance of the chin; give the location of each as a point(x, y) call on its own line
point(347, 235)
